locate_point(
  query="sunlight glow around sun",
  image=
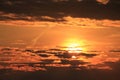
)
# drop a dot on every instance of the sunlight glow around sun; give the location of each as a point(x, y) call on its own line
point(74, 46)
point(74, 57)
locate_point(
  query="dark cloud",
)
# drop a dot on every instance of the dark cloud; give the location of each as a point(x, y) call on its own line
point(34, 9)
point(88, 55)
point(115, 50)
point(44, 55)
point(73, 62)
point(47, 61)
point(115, 66)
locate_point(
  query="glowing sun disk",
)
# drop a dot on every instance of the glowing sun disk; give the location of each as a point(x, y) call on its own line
point(73, 45)
point(74, 48)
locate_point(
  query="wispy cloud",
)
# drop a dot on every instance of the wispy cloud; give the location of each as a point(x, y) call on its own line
point(103, 1)
point(67, 21)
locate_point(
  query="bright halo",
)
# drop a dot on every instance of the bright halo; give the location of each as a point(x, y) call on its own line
point(74, 48)
point(73, 45)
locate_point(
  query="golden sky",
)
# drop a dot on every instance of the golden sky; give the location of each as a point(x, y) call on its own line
point(83, 31)
point(43, 35)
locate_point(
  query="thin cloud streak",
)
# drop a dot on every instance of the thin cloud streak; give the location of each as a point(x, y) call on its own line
point(103, 1)
point(67, 21)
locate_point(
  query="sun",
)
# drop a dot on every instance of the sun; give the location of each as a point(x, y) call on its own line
point(73, 45)
point(73, 57)
point(74, 48)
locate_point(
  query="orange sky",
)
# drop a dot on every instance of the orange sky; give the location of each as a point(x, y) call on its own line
point(87, 31)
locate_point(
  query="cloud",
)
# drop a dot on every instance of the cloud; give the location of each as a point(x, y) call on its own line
point(34, 9)
point(91, 23)
point(67, 21)
point(88, 55)
point(30, 61)
point(103, 1)
point(9, 3)
point(115, 50)
point(25, 68)
point(13, 17)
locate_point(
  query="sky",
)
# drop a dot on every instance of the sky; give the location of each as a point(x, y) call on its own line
point(51, 23)
point(60, 39)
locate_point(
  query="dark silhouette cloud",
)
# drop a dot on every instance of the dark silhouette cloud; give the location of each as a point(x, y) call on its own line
point(21, 66)
point(44, 55)
point(88, 55)
point(56, 9)
point(47, 61)
point(58, 73)
point(115, 50)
